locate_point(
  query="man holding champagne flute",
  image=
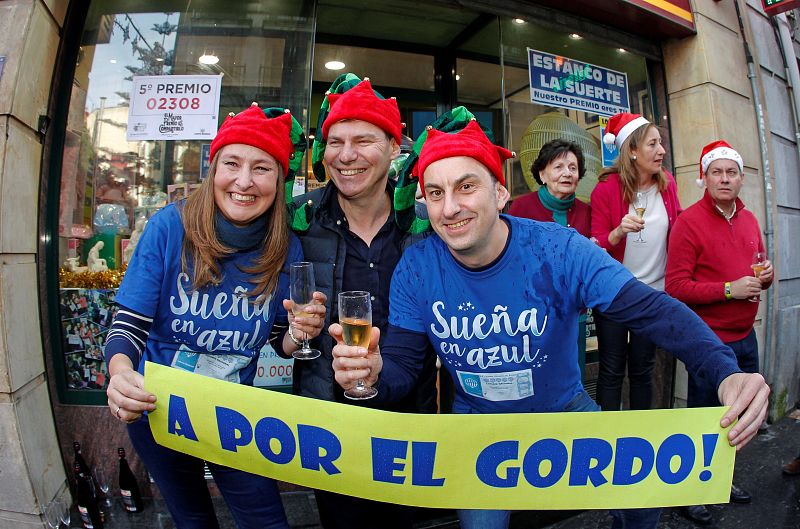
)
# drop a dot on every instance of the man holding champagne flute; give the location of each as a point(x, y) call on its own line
point(717, 265)
point(348, 229)
point(498, 297)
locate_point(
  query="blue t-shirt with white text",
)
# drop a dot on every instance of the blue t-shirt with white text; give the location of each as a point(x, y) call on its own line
point(506, 333)
point(215, 331)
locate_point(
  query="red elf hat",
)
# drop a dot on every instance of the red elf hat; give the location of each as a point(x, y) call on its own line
point(360, 102)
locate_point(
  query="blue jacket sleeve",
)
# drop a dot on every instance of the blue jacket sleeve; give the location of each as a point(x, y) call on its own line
point(403, 354)
point(674, 327)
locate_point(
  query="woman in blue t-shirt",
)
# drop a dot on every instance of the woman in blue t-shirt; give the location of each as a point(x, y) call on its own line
point(205, 291)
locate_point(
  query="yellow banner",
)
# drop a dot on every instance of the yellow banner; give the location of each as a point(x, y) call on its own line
point(510, 461)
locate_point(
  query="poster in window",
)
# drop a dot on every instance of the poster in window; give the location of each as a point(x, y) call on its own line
point(86, 316)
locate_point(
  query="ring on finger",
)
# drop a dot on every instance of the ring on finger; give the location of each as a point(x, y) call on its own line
point(117, 413)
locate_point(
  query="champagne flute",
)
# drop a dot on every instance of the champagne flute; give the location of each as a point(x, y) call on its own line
point(640, 205)
point(301, 291)
point(758, 265)
point(51, 514)
point(355, 317)
point(65, 508)
point(101, 478)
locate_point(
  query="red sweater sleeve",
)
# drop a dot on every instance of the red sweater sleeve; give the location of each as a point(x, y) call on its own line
point(603, 222)
point(680, 282)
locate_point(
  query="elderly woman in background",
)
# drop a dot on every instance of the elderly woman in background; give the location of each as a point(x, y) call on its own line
point(557, 169)
point(634, 192)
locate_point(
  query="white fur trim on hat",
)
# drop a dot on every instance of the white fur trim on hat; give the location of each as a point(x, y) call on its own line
point(721, 153)
point(629, 129)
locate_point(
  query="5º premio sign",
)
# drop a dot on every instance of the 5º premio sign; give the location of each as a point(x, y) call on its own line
point(774, 7)
point(174, 107)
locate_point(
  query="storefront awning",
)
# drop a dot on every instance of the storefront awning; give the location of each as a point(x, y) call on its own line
point(649, 18)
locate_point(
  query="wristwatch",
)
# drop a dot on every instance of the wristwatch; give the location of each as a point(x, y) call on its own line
point(294, 340)
point(728, 294)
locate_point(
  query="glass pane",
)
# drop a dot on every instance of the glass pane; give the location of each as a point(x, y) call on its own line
point(530, 125)
point(417, 22)
point(110, 186)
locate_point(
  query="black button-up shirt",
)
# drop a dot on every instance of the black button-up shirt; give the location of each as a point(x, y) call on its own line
point(370, 267)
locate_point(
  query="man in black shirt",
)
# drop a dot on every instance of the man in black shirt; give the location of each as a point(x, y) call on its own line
point(348, 229)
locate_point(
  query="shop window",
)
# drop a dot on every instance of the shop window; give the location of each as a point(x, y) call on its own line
point(530, 125)
point(112, 184)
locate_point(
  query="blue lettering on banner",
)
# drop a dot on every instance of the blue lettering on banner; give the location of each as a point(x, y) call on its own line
point(629, 450)
point(590, 457)
point(388, 462)
point(178, 418)
point(270, 428)
point(551, 450)
point(234, 429)
point(387, 455)
point(567, 83)
point(546, 461)
point(680, 446)
point(489, 461)
point(318, 447)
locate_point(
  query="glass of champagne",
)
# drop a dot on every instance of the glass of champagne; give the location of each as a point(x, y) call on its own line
point(355, 317)
point(640, 205)
point(758, 265)
point(51, 514)
point(301, 291)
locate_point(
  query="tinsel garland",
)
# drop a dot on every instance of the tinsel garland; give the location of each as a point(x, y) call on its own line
point(86, 279)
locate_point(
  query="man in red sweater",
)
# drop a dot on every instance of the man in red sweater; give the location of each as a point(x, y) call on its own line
point(710, 267)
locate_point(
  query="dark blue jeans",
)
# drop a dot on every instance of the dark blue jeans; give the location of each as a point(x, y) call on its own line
point(623, 519)
point(616, 353)
point(701, 392)
point(253, 500)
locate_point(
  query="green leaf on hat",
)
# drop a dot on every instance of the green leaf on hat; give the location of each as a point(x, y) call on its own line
point(298, 140)
point(405, 191)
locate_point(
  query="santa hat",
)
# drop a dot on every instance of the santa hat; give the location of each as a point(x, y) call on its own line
point(470, 141)
point(252, 127)
point(360, 102)
point(622, 125)
point(717, 150)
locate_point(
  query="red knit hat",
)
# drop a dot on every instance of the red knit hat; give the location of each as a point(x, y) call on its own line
point(717, 150)
point(360, 102)
point(252, 127)
point(470, 141)
point(622, 125)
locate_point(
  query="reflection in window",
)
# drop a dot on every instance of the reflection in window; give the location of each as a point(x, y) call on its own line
point(110, 186)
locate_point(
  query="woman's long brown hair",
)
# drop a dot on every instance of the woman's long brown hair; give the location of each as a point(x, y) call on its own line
point(203, 249)
point(626, 168)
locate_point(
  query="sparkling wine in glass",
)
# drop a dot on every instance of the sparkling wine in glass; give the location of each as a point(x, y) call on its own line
point(640, 205)
point(758, 265)
point(355, 317)
point(301, 291)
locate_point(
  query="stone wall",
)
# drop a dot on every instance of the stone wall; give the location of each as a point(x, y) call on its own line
point(31, 467)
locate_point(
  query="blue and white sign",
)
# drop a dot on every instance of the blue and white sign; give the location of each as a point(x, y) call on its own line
point(566, 83)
